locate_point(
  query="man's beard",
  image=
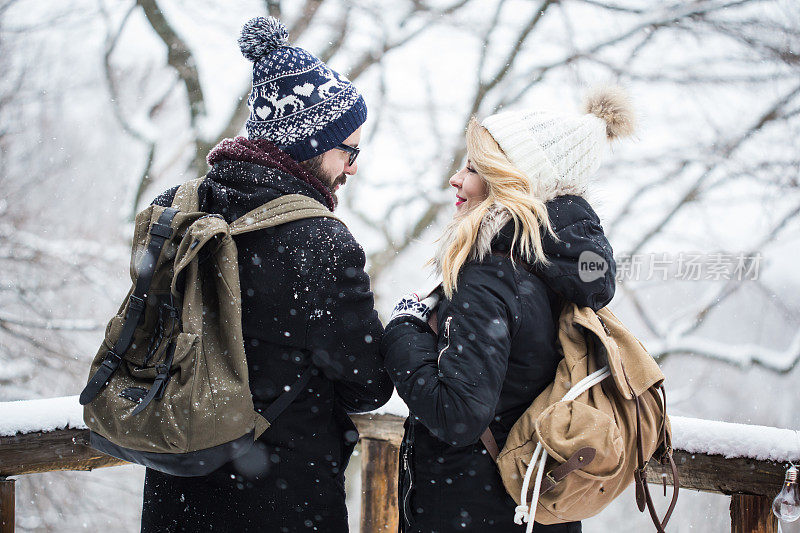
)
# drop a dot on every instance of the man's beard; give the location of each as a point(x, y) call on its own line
point(314, 167)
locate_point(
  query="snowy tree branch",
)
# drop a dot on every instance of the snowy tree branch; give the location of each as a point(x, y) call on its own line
point(340, 32)
point(63, 324)
point(727, 149)
point(179, 57)
point(273, 8)
point(112, 38)
point(374, 55)
point(740, 355)
point(717, 296)
point(614, 7)
point(302, 23)
point(484, 87)
point(536, 74)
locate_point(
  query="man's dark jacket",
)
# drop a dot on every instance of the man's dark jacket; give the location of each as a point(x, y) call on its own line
point(305, 300)
point(495, 352)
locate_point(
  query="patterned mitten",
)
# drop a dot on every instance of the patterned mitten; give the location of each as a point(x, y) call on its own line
point(409, 305)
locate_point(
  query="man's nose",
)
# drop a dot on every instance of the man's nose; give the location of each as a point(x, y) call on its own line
point(351, 169)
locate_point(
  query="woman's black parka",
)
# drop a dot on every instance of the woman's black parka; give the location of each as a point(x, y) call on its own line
point(495, 352)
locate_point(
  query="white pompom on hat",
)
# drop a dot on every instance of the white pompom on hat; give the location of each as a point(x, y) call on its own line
point(559, 152)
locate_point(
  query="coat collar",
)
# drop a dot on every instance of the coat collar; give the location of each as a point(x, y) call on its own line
point(264, 153)
point(578, 231)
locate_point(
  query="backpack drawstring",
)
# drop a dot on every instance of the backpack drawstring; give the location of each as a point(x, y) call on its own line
point(521, 513)
point(524, 513)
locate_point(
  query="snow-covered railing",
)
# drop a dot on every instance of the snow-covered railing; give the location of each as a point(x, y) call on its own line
point(744, 461)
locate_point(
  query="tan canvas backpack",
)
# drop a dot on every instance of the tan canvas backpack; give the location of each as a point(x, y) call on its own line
point(591, 433)
point(168, 387)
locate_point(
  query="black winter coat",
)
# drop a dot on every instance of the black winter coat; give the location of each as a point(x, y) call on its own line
point(494, 354)
point(305, 300)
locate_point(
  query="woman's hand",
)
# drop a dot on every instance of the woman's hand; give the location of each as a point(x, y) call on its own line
point(410, 305)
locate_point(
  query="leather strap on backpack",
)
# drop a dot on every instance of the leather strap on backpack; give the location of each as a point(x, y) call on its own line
point(490, 444)
point(576, 461)
point(159, 233)
point(159, 384)
point(643, 497)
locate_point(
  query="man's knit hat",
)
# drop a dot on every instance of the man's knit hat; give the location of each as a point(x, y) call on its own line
point(297, 102)
point(559, 152)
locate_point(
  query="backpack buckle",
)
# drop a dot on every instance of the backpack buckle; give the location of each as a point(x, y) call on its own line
point(135, 303)
point(113, 359)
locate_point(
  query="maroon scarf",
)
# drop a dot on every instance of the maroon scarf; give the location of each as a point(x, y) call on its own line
point(263, 152)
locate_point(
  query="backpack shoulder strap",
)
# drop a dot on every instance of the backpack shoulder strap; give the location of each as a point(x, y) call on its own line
point(186, 199)
point(160, 231)
point(287, 208)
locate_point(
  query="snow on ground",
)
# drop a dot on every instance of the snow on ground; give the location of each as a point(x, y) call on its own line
point(689, 434)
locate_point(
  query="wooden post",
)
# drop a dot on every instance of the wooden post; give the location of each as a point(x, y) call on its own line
point(6, 505)
point(752, 514)
point(379, 465)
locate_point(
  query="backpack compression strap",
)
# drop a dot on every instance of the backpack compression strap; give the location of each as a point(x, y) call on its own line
point(159, 233)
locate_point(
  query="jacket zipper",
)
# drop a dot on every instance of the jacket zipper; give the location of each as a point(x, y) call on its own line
point(408, 448)
point(407, 495)
point(446, 338)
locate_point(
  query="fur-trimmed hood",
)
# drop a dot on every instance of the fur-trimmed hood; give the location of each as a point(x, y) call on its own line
point(581, 269)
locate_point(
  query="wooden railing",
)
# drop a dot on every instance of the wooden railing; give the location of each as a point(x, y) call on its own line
point(751, 483)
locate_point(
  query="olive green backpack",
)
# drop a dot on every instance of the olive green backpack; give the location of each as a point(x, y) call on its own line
point(168, 388)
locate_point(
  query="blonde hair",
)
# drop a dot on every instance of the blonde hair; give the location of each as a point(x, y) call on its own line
point(510, 191)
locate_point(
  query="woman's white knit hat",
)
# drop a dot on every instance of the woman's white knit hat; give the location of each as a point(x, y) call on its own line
point(559, 152)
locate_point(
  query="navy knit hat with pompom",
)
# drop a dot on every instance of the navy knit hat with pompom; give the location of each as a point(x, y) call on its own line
point(297, 102)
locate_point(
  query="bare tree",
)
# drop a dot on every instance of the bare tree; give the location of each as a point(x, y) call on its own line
point(717, 79)
point(754, 38)
point(502, 37)
point(181, 60)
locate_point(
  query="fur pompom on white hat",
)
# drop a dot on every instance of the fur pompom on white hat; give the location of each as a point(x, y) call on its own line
point(614, 107)
point(559, 152)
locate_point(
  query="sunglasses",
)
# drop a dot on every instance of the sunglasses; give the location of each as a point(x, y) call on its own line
point(352, 150)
